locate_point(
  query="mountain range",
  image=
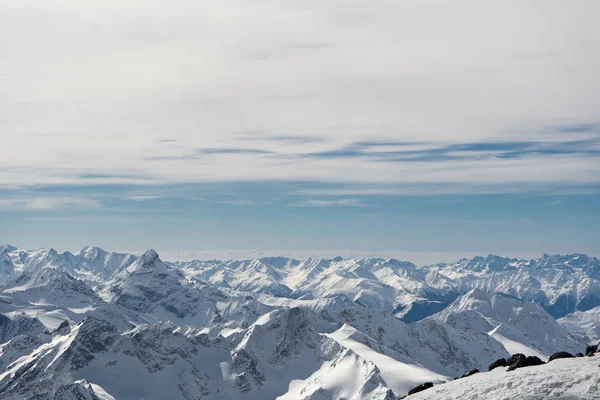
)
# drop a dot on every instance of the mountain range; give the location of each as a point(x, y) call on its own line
point(73, 325)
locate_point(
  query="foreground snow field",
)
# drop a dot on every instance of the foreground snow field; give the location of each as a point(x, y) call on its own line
point(565, 379)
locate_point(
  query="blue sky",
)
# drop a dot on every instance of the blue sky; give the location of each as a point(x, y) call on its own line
point(422, 130)
point(219, 219)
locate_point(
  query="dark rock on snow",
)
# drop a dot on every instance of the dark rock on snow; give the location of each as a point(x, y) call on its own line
point(420, 388)
point(389, 395)
point(498, 363)
point(533, 361)
point(516, 361)
point(560, 354)
point(515, 357)
point(471, 372)
point(519, 361)
point(63, 328)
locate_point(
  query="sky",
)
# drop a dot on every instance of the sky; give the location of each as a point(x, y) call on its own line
point(423, 130)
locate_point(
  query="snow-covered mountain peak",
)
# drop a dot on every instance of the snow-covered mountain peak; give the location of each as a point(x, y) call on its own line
point(149, 256)
point(401, 264)
point(475, 295)
point(7, 248)
point(149, 261)
point(91, 251)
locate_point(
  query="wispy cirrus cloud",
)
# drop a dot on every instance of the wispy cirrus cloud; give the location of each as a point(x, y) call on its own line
point(293, 139)
point(425, 152)
point(328, 203)
point(142, 197)
point(236, 202)
point(48, 203)
point(240, 92)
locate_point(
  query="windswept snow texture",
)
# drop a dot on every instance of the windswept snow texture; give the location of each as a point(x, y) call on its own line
point(565, 379)
point(105, 325)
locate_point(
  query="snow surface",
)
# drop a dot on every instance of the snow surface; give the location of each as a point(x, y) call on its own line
point(399, 376)
point(514, 347)
point(565, 379)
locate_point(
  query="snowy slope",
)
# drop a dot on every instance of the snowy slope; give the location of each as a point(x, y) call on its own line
point(521, 327)
point(585, 324)
point(398, 374)
point(348, 376)
point(573, 379)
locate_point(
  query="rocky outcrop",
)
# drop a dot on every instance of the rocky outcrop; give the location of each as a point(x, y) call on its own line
point(560, 354)
point(520, 361)
point(516, 361)
point(62, 329)
point(533, 361)
point(420, 388)
point(19, 325)
point(470, 372)
point(498, 363)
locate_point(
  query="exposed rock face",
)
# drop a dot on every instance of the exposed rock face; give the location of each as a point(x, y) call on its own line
point(19, 325)
point(62, 329)
point(286, 340)
point(533, 361)
point(42, 373)
point(498, 363)
point(420, 388)
point(516, 361)
point(591, 350)
point(520, 361)
point(80, 390)
point(471, 372)
point(515, 357)
point(560, 354)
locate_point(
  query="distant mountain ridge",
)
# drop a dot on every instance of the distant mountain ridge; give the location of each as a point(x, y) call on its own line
point(561, 284)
